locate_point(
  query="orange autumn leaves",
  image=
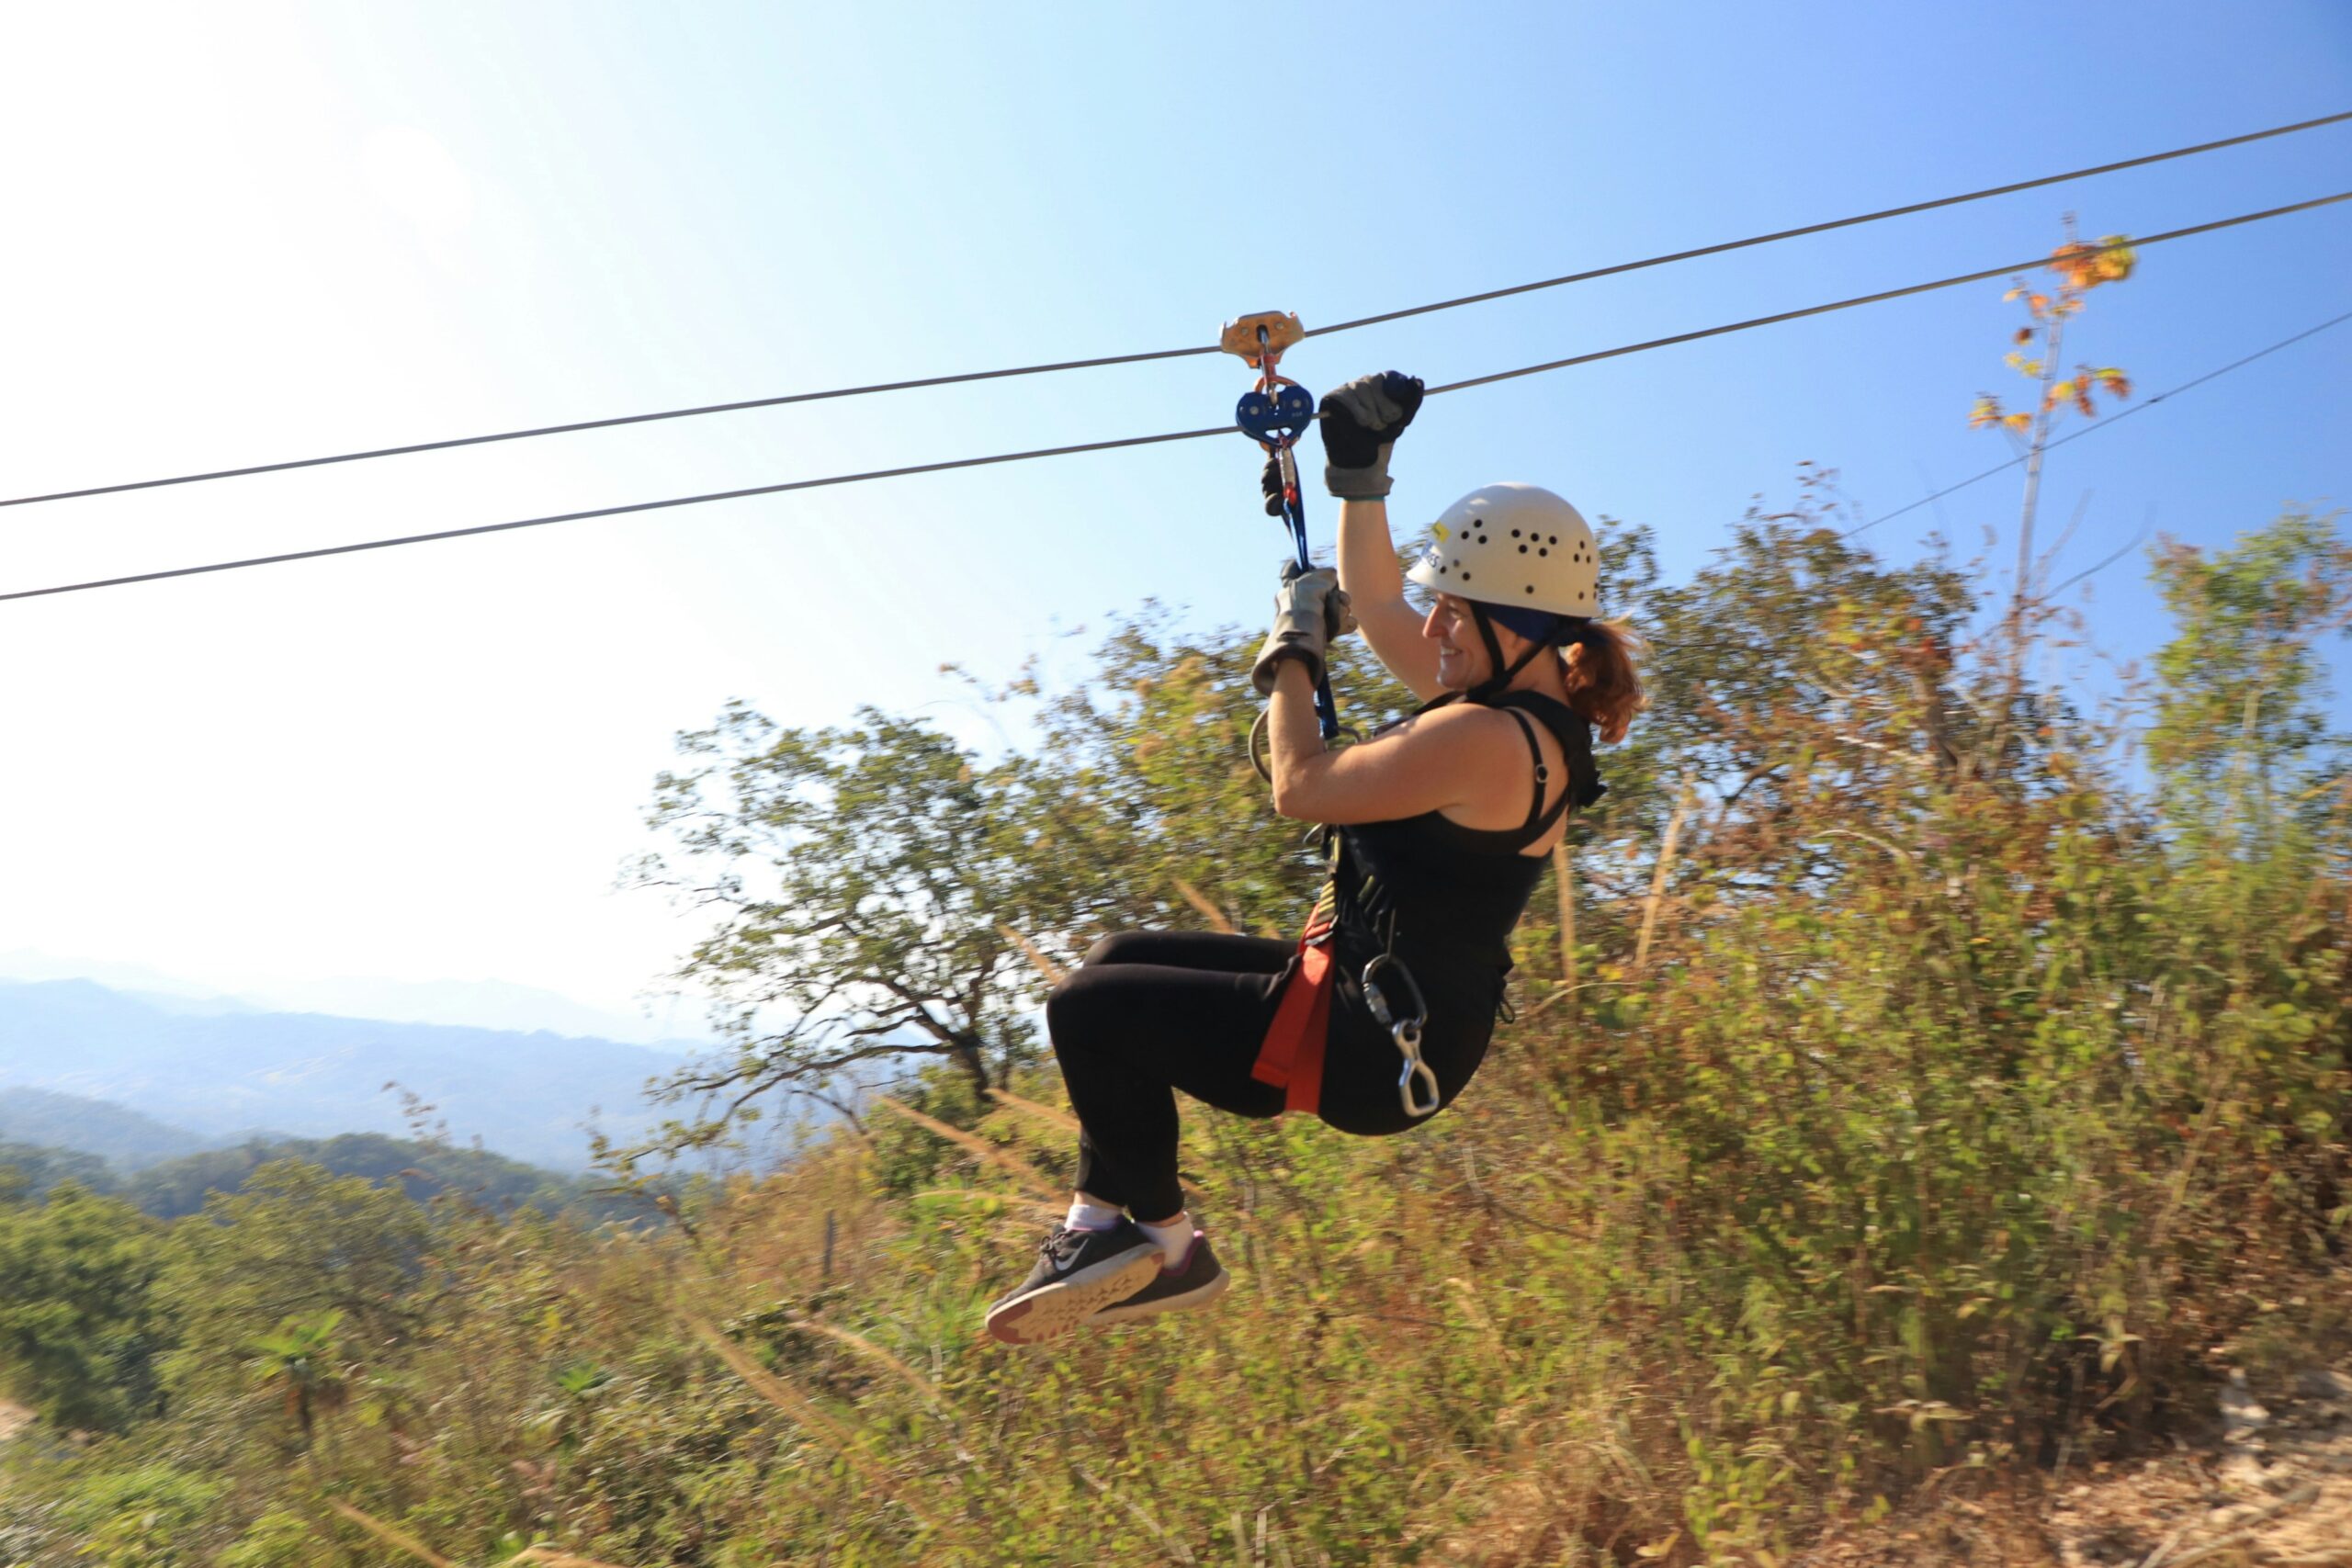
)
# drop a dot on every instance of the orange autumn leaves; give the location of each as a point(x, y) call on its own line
point(2081, 268)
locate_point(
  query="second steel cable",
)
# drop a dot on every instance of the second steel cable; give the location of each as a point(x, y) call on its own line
point(1977, 277)
point(784, 399)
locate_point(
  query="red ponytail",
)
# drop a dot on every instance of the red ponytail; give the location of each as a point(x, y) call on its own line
point(1603, 685)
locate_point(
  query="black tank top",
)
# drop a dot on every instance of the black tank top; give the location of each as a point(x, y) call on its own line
point(1444, 897)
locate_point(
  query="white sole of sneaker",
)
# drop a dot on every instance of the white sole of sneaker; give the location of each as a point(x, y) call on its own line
point(1119, 1312)
point(1053, 1310)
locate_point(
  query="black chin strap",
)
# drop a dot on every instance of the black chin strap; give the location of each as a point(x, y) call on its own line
point(1497, 682)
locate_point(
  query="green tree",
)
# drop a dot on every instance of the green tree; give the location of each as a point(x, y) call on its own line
point(301, 1359)
point(1144, 809)
point(884, 896)
point(860, 878)
point(150, 1515)
point(81, 1330)
point(2242, 690)
point(1795, 662)
point(28, 1170)
point(280, 1538)
point(174, 1188)
point(298, 1242)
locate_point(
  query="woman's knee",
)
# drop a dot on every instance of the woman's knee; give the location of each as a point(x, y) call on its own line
point(1117, 948)
point(1076, 1007)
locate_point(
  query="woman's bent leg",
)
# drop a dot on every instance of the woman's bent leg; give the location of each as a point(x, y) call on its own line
point(1221, 950)
point(1129, 1034)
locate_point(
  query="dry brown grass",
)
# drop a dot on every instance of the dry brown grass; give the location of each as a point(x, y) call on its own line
point(400, 1540)
point(1060, 1120)
point(1027, 1175)
point(805, 1412)
point(391, 1535)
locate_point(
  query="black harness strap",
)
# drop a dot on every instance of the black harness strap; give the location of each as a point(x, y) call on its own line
point(1539, 821)
point(1574, 733)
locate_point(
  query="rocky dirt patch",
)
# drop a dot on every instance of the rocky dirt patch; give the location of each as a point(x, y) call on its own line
point(2271, 1489)
point(14, 1418)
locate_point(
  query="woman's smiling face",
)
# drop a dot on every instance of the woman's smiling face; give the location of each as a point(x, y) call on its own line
point(1461, 662)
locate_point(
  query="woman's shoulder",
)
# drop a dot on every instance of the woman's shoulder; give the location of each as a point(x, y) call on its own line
point(1452, 719)
point(1453, 736)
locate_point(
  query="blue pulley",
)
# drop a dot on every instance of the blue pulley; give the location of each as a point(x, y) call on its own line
point(1280, 414)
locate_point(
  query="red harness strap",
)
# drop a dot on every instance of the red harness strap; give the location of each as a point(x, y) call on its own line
point(1291, 1057)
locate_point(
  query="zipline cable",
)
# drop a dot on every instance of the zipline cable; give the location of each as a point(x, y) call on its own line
point(1227, 430)
point(1872, 298)
point(1098, 363)
point(1833, 223)
point(618, 511)
point(2141, 407)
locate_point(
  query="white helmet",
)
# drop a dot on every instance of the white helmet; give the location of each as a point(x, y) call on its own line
point(1515, 546)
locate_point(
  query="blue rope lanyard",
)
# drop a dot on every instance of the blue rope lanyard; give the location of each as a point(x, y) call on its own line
point(1277, 411)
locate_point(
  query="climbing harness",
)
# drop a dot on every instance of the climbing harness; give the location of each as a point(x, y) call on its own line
point(1291, 1057)
point(1275, 414)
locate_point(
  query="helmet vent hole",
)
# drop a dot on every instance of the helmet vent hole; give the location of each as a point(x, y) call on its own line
point(1543, 551)
point(1522, 549)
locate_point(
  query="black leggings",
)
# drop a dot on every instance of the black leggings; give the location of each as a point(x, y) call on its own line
point(1150, 1012)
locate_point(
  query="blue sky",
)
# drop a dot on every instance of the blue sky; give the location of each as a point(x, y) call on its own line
point(247, 232)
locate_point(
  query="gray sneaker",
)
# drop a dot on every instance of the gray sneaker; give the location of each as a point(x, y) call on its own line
point(1196, 1281)
point(1077, 1273)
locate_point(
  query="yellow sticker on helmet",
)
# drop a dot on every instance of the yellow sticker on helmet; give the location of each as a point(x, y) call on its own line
point(1441, 530)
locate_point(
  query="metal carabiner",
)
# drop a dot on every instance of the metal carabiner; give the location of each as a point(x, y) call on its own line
point(1417, 1085)
point(1417, 1074)
point(1378, 1000)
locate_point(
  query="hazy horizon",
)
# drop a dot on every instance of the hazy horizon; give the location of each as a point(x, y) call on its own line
point(488, 1003)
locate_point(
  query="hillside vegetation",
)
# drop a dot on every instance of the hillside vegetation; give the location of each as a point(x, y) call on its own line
point(1922, 1077)
point(422, 1169)
point(115, 1134)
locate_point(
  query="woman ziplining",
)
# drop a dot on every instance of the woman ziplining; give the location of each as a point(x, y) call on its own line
point(1437, 828)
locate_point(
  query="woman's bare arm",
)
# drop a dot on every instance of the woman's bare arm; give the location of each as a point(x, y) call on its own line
point(1453, 757)
point(1376, 589)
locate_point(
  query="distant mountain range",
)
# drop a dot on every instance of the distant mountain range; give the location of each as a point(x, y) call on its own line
point(47, 1139)
point(674, 1024)
point(115, 1133)
point(223, 1075)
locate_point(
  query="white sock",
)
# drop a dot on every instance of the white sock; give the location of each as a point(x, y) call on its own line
point(1175, 1237)
point(1086, 1216)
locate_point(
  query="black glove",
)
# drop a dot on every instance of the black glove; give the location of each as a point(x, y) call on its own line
point(1309, 611)
point(1360, 422)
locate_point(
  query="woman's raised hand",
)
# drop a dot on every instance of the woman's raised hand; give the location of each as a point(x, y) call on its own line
point(1360, 422)
point(1309, 611)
